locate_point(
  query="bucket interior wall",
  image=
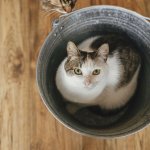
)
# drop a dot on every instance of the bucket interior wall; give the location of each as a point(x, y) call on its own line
point(140, 103)
point(83, 24)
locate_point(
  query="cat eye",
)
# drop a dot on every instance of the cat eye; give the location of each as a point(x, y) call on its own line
point(96, 72)
point(77, 71)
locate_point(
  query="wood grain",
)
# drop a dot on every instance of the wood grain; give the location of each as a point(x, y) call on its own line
point(25, 123)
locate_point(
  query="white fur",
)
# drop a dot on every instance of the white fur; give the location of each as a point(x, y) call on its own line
point(103, 93)
point(85, 44)
point(116, 98)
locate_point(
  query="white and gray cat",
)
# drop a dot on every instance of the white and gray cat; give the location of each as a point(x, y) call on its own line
point(102, 70)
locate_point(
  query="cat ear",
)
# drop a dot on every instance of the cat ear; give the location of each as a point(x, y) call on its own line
point(103, 51)
point(72, 49)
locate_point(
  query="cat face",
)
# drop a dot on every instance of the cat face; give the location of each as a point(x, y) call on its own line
point(86, 69)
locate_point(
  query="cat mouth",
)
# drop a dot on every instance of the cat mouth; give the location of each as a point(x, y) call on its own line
point(90, 87)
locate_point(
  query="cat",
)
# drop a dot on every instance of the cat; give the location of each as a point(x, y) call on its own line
point(101, 70)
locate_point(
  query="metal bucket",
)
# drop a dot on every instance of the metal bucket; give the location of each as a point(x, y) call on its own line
point(77, 26)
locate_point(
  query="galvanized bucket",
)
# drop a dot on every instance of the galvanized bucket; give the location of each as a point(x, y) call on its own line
point(77, 26)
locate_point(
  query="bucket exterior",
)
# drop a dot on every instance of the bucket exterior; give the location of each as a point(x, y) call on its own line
point(82, 21)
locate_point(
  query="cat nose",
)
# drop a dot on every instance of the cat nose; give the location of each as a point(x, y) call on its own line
point(87, 83)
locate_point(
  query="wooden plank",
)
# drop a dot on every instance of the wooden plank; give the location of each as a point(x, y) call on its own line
point(25, 123)
point(14, 64)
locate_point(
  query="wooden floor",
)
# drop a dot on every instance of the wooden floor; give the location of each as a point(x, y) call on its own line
point(25, 123)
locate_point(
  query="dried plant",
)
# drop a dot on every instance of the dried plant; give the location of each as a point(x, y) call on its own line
point(50, 6)
point(62, 6)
